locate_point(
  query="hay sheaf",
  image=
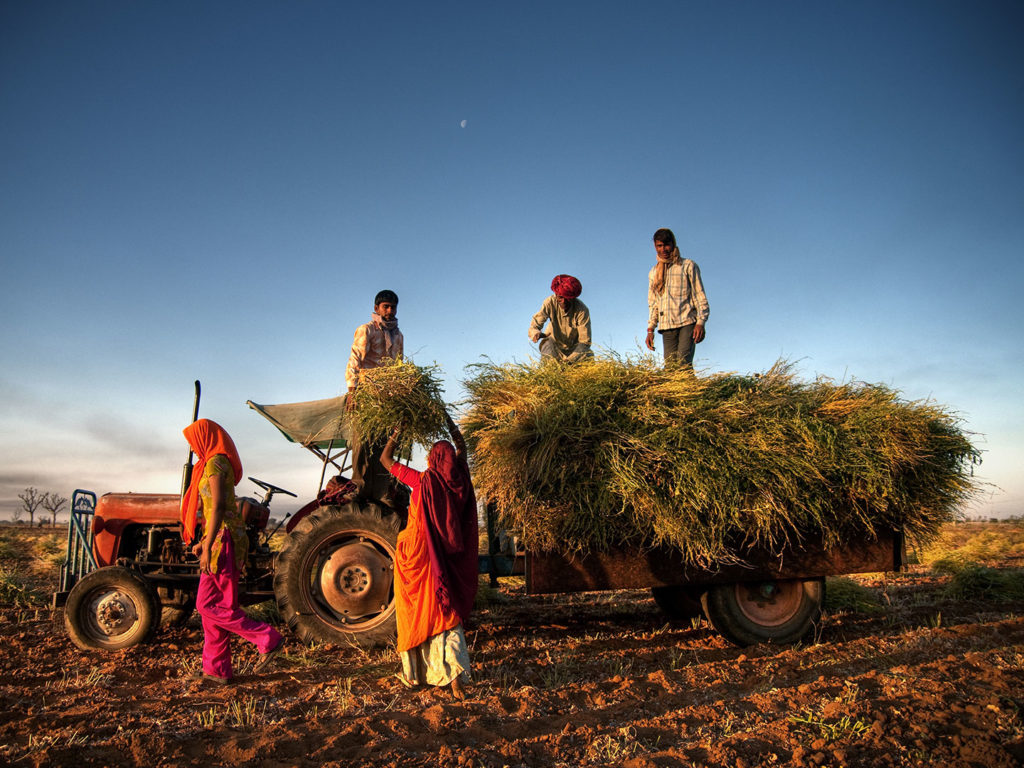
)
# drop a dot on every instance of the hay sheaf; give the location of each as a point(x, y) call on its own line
point(625, 452)
point(400, 393)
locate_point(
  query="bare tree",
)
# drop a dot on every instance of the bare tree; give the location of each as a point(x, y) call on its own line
point(31, 500)
point(16, 514)
point(53, 503)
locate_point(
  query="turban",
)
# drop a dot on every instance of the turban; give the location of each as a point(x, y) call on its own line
point(566, 286)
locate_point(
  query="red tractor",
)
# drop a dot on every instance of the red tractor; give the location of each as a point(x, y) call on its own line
point(127, 567)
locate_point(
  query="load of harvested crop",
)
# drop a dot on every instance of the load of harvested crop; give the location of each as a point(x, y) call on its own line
point(625, 452)
point(400, 393)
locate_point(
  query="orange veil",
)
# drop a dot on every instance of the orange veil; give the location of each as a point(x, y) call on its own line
point(208, 439)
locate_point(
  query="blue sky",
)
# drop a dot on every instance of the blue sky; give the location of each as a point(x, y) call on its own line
point(216, 191)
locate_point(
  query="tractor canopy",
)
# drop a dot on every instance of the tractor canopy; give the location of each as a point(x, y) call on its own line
point(315, 424)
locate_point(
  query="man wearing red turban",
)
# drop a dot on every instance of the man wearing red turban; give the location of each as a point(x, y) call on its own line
point(569, 337)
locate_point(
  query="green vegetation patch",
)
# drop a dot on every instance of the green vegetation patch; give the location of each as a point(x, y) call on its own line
point(613, 452)
point(14, 591)
point(843, 594)
point(980, 582)
point(267, 611)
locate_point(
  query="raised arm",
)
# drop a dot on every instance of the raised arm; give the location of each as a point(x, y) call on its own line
point(457, 440)
point(387, 456)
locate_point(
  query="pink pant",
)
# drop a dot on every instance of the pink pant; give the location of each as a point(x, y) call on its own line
point(217, 603)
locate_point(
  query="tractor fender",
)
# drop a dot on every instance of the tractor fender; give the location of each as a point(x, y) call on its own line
point(297, 517)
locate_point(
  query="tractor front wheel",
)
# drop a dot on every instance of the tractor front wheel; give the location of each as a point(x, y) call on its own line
point(334, 577)
point(764, 611)
point(111, 608)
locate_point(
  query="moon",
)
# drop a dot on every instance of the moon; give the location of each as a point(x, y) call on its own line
point(462, 124)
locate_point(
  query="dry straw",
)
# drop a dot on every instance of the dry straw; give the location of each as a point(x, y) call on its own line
point(624, 452)
point(400, 393)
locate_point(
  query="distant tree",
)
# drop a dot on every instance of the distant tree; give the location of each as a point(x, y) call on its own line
point(16, 514)
point(31, 500)
point(53, 503)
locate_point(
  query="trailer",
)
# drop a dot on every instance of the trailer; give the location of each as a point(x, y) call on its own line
point(333, 576)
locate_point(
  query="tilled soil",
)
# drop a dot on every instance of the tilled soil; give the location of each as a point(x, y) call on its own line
point(558, 681)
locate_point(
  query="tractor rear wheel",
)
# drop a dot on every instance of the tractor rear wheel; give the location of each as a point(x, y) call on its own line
point(764, 611)
point(111, 608)
point(334, 578)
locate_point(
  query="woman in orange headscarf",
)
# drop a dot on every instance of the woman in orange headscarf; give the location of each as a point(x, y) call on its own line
point(436, 567)
point(221, 551)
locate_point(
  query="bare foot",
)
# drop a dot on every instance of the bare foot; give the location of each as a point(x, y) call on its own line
point(458, 689)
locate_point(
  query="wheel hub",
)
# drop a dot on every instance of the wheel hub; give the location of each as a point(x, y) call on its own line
point(115, 613)
point(770, 603)
point(356, 580)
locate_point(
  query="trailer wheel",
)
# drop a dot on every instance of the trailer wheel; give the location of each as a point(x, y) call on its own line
point(334, 578)
point(677, 602)
point(764, 611)
point(111, 608)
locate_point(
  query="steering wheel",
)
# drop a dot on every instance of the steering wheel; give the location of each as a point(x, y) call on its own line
point(271, 488)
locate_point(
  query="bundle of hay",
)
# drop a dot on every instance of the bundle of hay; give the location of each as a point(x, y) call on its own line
point(624, 452)
point(400, 393)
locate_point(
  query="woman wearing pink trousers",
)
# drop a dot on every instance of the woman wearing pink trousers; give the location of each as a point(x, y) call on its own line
point(221, 551)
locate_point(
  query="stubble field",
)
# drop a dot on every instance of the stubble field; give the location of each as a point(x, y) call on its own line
point(921, 668)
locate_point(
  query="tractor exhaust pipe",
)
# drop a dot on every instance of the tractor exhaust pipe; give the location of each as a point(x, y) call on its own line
point(186, 472)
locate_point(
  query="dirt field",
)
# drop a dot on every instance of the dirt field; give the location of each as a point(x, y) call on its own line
point(912, 676)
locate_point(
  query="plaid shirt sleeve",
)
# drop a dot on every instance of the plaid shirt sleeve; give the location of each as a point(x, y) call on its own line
point(360, 346)
point(698, 299)
point(653, 303)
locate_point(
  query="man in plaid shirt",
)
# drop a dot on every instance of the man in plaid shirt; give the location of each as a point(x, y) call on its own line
point(373, 343)
point(678, 307)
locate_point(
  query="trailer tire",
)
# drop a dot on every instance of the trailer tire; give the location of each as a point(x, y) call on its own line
point(678, 602)
point(753, 612)
point(111, 608)
point(334, 577)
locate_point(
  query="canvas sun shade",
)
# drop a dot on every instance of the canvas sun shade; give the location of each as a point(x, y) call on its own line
point(314, 424)
point(318, 425)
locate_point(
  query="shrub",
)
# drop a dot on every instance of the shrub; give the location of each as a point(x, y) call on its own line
point(979, 582)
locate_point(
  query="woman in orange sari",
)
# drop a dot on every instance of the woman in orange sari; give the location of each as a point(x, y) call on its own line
point(221, 551)
point(436, 566)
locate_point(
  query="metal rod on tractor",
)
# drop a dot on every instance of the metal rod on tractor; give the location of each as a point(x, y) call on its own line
point(186, 472)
